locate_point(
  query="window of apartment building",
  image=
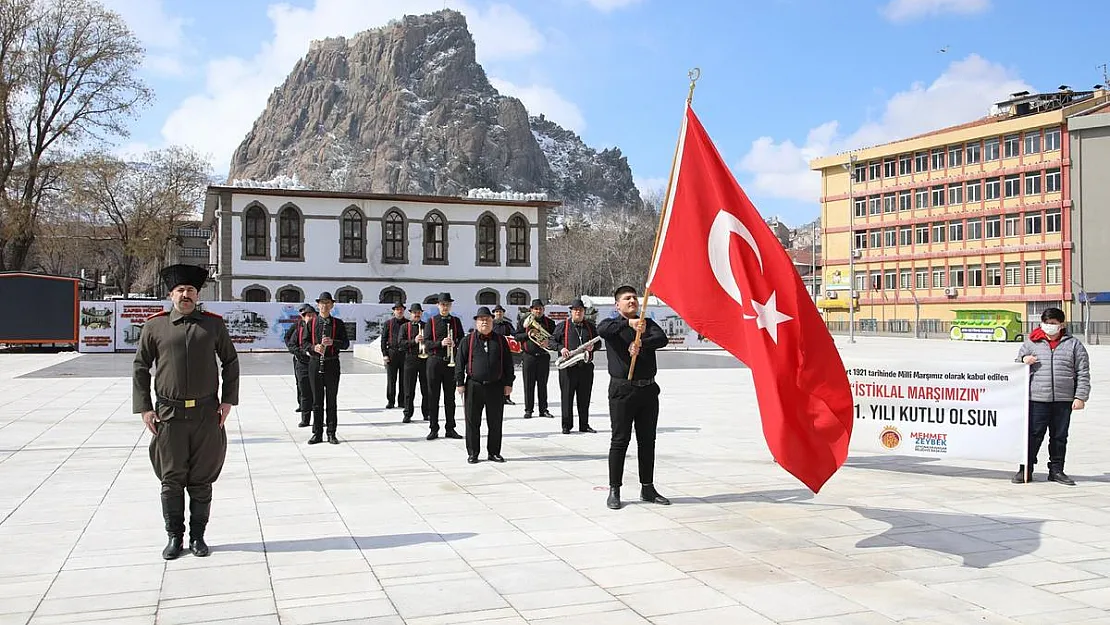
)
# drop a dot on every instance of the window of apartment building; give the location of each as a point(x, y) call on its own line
point(994, 275)
point(938, 233)
point(859, 173)
point(956, 231)
point(992, 187)
point(938, 159)
point(1033, 224)
point(1033, 183)
point(861, 281)
point(938, 277)
point(973, 155)
point(990, 149)
point(921, 279)
point(1052, 221)
point(1013, 225)
point(921, 162)
point(1011, 146)
point(1052, 181)
point(876, 238)
point(873, 170)
point(955, 194)
point(938, 196)
point(905, 236)
point(876, 281)
point(888, 203)
point(1013, 185)
point(905, 279)
point(888, 168)
point(1013, 274)
point(974, 192)
point(1033, 142)
point(956, 277)
point(975, 275)
point(921, 198)
point(875, 205)
point(905, 165)
point(860, 207)
point(1051, 139)
point(890, 280)
point(1033, 273)
point(921, 235)
point(861, 241)
point(905, 201)
point(955, 155)
point(1053, 272)
point(974, 229)
point(994, 227)
point(890, 237)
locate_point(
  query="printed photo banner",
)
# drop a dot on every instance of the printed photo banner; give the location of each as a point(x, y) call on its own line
point(962, 410)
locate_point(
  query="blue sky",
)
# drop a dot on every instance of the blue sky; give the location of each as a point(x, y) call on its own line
point(782, 81)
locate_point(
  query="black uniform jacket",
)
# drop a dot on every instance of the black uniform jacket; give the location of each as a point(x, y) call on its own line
point(484, 358)
point(526, 343)
point(437, 331)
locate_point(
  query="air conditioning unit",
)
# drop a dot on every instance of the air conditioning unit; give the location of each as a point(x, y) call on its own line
point(950, 292)
point(857, 254)
point(830, 294)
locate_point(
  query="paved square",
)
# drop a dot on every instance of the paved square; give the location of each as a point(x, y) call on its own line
point(390, 528)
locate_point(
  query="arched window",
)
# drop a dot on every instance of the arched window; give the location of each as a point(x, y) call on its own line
point(435, 239)
point(518, 240)
point(518, 297)
point(488, 297)
point(353, 242)
point(256, 236)
point(394, 238)
point(348, 295)
point(256, 294)
point(290, 234)
point(391, 295)
point(487, 240)
point(290, 295)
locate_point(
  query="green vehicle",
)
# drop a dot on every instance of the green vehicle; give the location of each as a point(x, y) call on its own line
point(986, 325)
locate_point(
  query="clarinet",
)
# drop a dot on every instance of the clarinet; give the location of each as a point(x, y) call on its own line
point(325, 329)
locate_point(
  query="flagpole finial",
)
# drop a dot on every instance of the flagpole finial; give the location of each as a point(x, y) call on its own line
point(694, 75)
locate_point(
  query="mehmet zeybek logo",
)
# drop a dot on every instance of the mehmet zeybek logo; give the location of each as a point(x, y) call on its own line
point(890, 437)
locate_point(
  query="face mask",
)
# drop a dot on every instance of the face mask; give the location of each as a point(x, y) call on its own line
point(1051, 329)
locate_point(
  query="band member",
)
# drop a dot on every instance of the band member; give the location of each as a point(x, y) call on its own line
point(483, 376)
point(327, 337)
point(632, 403)
point(576, 381)
point(393, 354)
point(537, 362)
point(441, 338)
point(188, 443)
point(295, 339)
point(416, 369)
point(504, 327)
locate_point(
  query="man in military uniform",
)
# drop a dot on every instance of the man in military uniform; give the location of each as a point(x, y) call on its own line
point(575, 381)
point(186, 421)
point(483, 376)
point(294, 342)
point(393, 355)
point(327, 337)
point(441, 338)
point(505, 328)
point(632, 403)
point(416, 367)
point(537, 362)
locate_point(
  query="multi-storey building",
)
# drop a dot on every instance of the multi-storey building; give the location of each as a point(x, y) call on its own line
point(975, 216)
point(1089, 150)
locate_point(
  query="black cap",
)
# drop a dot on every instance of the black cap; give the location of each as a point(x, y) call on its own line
point(578, 303)
point(498, 308)
point(398, 305)
point(324, 297)
point(416, 307)
point(176, 275)
point(483, 311)
point(307, 308)
point(445, 298)
point(537, 303)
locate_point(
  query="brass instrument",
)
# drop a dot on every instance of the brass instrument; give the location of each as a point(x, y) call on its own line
point(421, 349)
point(537, 333)
point(450, 346)
point(577, 355)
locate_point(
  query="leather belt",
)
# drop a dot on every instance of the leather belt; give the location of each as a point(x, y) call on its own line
point(647, 382)
point(186, 403)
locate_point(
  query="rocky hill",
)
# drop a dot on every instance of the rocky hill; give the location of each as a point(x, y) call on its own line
point(406, 108)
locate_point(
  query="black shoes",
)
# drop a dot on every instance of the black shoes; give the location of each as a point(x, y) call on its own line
point(588, 429)
point(545, 413)
point(1019, 477)
point(528, 414)
point(650, 495)
point(433, 435)
point(614, 500)
point(199, 547)
point(303, 424)
point(389, 406)
point(452, 434)
point(173, 547)
point(407, 420)
point(1060, 478)
point(472, 459)
point(332, 439)
point(509, 401)
point(566, 430)
point(496, 458)
point(316, 438)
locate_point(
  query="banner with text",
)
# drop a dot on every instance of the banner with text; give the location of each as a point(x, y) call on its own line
point(967, 410)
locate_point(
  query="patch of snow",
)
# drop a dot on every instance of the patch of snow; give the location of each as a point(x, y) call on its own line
point(278, 182)
point(514, 196)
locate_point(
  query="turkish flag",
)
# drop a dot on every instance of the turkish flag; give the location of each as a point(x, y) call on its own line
point(719, 267)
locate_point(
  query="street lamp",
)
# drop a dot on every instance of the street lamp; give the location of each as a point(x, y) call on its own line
point(850, 168)
point(1086, 303)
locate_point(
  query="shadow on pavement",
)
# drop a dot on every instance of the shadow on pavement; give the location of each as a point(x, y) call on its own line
point(339, 543)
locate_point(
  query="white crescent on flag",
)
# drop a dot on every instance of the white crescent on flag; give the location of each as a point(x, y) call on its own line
point(725, 224)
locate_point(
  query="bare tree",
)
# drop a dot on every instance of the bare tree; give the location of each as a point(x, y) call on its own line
point(595, 258)
point(67, 76)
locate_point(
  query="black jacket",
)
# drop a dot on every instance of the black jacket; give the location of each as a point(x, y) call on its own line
point(526, 344)
point(484, 359)
point(571, 336)
point(391, 335)
point(618, 336)
point(294, 340)
point(337, 331)
point(436, 331)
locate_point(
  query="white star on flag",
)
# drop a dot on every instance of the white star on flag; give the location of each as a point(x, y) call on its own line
point(768, 317)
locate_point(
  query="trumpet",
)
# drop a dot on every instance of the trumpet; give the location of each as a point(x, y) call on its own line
point(537, 333)
point(577, 355)
point(421, 349)
point(450, 347)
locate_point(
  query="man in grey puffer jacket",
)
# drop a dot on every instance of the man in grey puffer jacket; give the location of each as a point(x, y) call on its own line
point(1059, 382)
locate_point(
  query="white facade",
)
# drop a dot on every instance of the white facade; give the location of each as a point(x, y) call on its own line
point(291, 245)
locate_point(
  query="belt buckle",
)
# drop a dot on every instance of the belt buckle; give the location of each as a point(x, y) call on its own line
point(190, 403)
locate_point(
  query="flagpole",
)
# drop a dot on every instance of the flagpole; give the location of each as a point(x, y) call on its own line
point(694, 75)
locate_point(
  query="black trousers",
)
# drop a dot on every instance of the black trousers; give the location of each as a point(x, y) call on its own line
point(416, 374)
point(632, 407)
point(395, 378)
point(576, 382)
point(536, 370)
point(188, 454)
point(1055, 418)
point(304, 387)
point(441, 383)
point(488, 396)
point(325, 390)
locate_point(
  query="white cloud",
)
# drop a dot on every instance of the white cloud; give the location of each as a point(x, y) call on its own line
point(963, 93)
point(539, 99)
point(905, 10)
point(162, 34)
point(611, 5)
point(217, 119)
